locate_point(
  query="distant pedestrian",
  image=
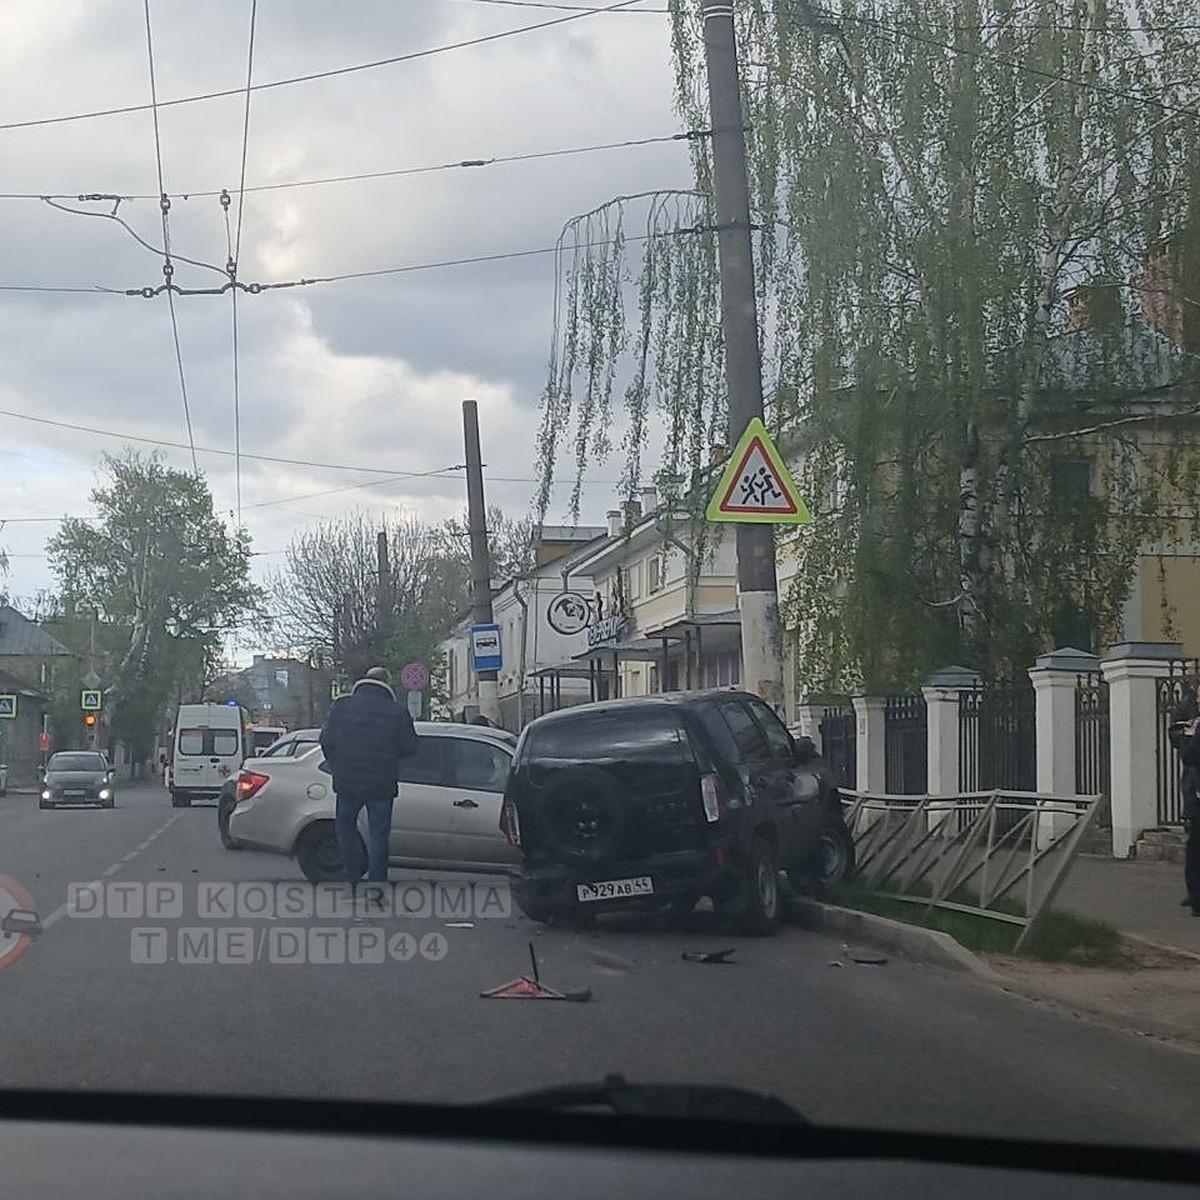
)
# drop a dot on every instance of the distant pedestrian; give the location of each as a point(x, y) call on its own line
point(365, 737)
point(1184, 735)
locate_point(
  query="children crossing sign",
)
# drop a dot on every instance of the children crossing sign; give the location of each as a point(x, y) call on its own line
point(756, 487)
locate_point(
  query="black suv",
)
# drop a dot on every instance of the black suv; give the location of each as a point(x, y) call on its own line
point(659, 800)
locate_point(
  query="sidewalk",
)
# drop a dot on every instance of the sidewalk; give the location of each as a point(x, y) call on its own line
point(1138, 898)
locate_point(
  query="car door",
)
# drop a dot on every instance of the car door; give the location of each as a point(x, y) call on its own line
point(803, 779)
point(423, 817)
point(769, 787)
point(478, 771)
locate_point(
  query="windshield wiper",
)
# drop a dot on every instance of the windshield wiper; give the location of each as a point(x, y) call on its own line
point(700, 1102)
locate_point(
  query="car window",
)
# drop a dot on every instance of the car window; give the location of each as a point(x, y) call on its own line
point(426, 766)
point(777, 736)
point(76, 762)
point(478, 765)
point(751, 744)
point(225, 741)
point(191, 741)
point(624, 735)
point(717, 729)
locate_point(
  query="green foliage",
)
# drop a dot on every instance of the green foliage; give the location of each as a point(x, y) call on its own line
point(159, 564)
point(931, 182)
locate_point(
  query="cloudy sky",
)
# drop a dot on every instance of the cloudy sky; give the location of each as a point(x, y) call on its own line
point(363, 373)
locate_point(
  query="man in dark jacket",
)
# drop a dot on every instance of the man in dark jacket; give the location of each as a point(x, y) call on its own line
point(1184, 735)
point(365, 736)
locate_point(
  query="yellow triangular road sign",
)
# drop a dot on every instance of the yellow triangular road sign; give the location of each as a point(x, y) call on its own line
point(756, 487)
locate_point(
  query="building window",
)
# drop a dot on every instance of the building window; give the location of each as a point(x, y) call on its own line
point(722, 669)
point(633, 581)
point(655, 574)
point(1071, 478)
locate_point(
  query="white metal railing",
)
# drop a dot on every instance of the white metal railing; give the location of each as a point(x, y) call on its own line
point(999, 854)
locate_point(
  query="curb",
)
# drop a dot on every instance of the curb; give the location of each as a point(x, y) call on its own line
point(928, 946)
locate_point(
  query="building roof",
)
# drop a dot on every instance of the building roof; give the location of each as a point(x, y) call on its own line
point(20, 637)
point(11, 685)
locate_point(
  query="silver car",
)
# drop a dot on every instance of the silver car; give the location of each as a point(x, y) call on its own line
point(447, 816)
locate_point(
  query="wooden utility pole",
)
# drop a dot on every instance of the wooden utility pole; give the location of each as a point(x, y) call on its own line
point(758, 596)
point(481, 564)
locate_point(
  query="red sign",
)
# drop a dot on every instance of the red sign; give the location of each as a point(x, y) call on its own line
point(415, 677)
point(44, 741)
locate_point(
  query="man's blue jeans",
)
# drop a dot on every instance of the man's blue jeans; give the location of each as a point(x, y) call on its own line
point(379, 829)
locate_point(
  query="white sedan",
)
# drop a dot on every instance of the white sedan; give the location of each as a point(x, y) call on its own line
point(447, 816)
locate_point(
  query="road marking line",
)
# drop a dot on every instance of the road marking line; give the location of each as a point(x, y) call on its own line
point(62, 910)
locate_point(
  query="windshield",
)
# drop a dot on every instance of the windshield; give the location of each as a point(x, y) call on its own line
point(783, 416)
point(76, 762)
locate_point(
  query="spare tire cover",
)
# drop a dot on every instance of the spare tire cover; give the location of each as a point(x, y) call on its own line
point(583, 814)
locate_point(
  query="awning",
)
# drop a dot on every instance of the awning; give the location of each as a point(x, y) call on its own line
point(676, 630)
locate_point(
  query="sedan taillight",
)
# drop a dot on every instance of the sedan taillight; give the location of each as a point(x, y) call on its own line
point(249, 784)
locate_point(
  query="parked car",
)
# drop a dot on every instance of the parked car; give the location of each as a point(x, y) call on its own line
point(78, 777)
point(287, 746)
point(446, 818)
point(661, 800)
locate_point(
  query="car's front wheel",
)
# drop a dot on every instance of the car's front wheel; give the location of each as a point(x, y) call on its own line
point(835, 856)
point(320, 856)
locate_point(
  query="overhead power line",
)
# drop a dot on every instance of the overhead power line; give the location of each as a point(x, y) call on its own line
point(168, 270)
point(270, 458)
point(235, 258)
point(392, 173)
point(354, 68)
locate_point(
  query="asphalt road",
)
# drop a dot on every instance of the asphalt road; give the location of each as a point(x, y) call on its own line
point(892, 1046)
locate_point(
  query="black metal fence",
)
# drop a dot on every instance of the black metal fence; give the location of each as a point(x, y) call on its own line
point(905, 745)
point(839, 745)
point(1093, 761)
point(1184, 673)
point(997, 738)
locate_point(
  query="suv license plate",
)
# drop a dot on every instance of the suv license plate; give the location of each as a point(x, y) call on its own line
point(614, 889)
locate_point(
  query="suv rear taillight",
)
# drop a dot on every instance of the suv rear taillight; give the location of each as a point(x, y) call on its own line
point(510, 825)
point(713, 795)
point(250, 783)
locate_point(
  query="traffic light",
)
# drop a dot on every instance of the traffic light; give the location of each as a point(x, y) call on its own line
point(89, 719)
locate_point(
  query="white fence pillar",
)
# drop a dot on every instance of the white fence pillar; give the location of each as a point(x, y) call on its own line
point(1132, 671)
point(808, 722)
point(1055, 677)
point(941, 693)
point(869, 752)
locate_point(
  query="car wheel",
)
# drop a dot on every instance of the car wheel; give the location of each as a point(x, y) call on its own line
point(180, 801)
point(319, 856)
point(227, 839)
point(109, 803)
point(761, 902)
point(835, 856)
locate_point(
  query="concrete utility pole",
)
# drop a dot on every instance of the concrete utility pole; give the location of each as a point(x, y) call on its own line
point(481, 562)
point(758, 597)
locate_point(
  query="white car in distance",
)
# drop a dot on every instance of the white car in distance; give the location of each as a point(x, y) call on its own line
point(447, 816)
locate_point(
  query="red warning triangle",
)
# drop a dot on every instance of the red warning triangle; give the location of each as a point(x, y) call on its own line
point(756, 485)
point(523, 988)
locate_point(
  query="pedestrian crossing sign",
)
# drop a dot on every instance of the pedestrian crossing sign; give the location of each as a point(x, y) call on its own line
point(90, 700)
point(8, 707)
point(756, 487)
